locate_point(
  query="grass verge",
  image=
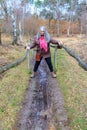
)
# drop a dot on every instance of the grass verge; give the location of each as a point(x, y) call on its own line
point(12, 90)
point(73, 82)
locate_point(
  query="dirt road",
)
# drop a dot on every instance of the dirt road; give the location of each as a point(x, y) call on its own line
point(43, 105)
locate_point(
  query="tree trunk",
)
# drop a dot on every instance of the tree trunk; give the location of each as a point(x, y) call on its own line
point(58, 28)
point(0, 39)
point(73, 54)
point(49, 23)
point(81, 29)
point(86, 25)
point(17, 62)
point(20, 32)
point(13, 19)
point(55, 58)
point(68, 28)
point(86, 17)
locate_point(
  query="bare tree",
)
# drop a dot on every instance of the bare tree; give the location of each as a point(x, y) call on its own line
point(0, 37)
point(58, 16)
point(20, 21)
point(10, 12)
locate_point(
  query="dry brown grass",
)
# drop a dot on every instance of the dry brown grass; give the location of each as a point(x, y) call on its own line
point(10, 53)
point(78, 44)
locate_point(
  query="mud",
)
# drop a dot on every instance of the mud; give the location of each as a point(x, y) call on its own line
point(43, 105)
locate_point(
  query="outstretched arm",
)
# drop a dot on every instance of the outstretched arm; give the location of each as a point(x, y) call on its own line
point(34, 43)
point(57, 42)
point(28, 46)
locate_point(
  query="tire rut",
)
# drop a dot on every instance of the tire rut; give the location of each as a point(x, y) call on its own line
point(42, 105)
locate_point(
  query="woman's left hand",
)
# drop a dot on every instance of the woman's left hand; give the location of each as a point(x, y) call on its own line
point(28, 47)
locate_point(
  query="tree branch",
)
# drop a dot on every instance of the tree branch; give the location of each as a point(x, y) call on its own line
point(73, 54)
point(8, 66)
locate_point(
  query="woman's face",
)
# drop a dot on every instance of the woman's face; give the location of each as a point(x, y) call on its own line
point(42, 32)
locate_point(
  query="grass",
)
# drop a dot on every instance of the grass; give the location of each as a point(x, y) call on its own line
point(11, 53)
point(13, 85)
point(73, 82)
point(12, 89)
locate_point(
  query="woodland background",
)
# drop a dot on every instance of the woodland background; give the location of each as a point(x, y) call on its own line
point(23, 17)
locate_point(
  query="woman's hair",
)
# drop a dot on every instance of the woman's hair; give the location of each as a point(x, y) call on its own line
point(46, 34)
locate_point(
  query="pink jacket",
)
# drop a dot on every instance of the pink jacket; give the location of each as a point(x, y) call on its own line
point(41, 51)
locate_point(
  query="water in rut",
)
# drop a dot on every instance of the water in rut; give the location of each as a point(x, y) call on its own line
point(43, 104)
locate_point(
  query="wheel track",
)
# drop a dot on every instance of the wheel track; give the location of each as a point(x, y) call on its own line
point(40, 105)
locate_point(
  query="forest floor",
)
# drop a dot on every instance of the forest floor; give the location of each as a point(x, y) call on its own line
point(45, 103)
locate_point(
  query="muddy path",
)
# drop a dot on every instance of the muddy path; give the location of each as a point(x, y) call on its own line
point(43, 105)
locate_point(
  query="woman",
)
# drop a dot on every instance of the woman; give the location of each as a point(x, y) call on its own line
point(42, 42)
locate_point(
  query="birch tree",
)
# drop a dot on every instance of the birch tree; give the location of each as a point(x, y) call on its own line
point(82, 16)
point(86, 16)
point(58, 15)
point(0, 30)
point(20, 19)
point(0, 25)
point(0, 36)
point(10, 12)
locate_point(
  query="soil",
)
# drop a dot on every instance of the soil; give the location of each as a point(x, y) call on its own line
point(43, 105)
point(3, 62)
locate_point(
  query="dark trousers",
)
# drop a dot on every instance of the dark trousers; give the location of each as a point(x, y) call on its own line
point(48, 61)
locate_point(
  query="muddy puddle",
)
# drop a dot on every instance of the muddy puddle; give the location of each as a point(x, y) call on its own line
point(43, 105)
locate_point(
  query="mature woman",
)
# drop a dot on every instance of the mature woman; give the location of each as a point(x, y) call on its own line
point(42, 41)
